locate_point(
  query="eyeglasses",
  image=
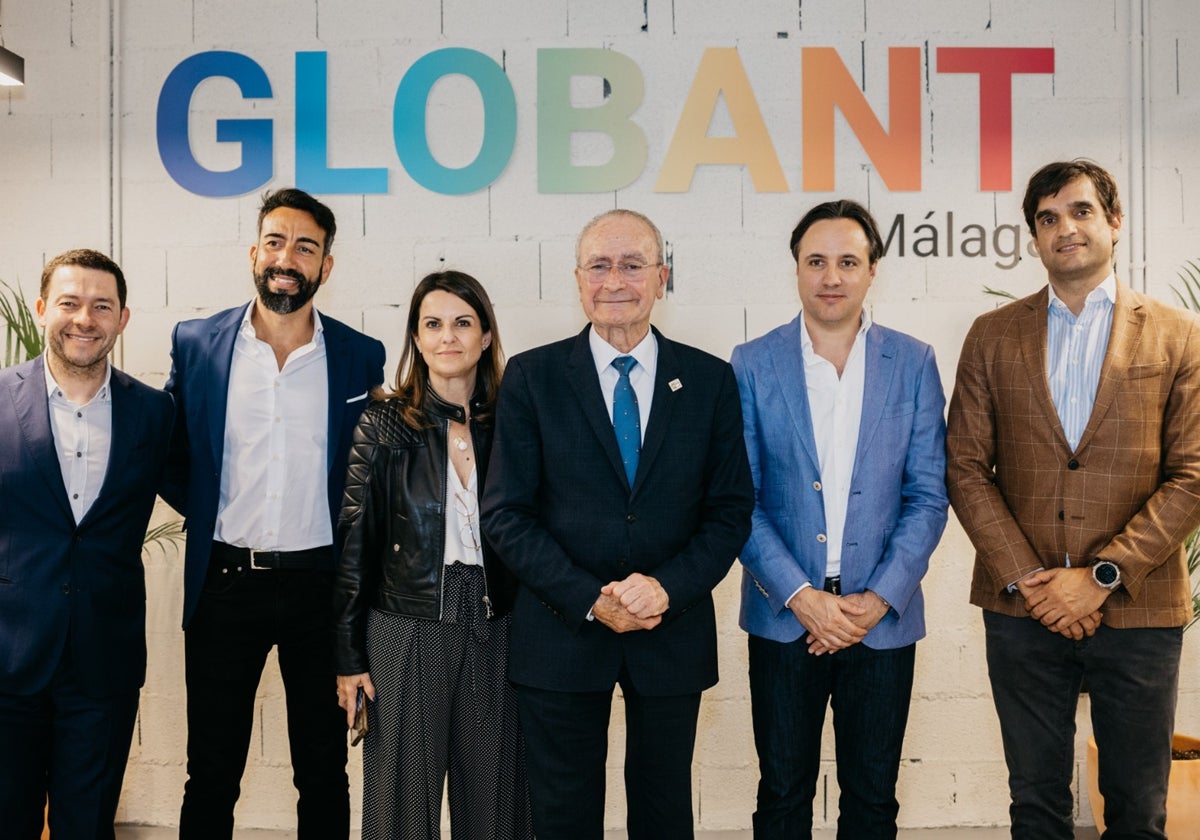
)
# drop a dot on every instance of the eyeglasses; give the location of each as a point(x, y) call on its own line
point(466, 505)
point(598, 272)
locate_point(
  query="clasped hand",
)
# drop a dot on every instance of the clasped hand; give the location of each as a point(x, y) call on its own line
point(836, 622)
point(635, 603)
point(1065, 600)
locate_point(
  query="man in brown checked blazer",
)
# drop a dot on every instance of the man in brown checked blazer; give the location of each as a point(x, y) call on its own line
point(1074, 466)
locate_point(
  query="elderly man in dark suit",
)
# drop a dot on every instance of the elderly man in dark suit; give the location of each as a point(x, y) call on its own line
point(1074, 466)
point(619, 494)
point(267, 397)
point(82, 451)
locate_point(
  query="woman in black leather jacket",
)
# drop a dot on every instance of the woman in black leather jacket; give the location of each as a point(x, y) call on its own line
point(421, 602)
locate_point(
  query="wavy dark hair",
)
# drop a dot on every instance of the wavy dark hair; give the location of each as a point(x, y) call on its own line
point(1053, 177)
point(412, 375)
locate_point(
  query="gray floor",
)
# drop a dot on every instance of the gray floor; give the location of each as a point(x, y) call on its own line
point(131, 832)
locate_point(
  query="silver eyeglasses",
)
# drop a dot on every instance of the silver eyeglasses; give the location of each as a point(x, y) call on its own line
point(598, 272)
point(466, 505)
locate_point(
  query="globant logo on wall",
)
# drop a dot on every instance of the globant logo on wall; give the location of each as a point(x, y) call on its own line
point(827, 88)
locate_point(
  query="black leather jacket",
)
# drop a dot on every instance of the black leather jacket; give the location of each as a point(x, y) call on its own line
point(392, 525)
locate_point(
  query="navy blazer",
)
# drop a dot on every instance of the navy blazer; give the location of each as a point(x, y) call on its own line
point(559, 510)
point(201, 356)
point(67, 584)
point(897, 506)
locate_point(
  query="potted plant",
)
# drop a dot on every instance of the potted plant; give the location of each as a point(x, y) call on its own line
point(1183, 789)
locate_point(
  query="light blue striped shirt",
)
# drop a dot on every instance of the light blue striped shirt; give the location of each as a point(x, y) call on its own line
point(1075, 349)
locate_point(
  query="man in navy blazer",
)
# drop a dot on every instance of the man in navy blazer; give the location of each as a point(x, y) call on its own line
point(267, 397)
point(618, 513)
point(845, 433)
point(83, 448)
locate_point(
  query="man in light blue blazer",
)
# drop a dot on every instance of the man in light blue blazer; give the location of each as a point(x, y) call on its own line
point(845, 433)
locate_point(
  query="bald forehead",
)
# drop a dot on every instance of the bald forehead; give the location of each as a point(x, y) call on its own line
point(633, 225)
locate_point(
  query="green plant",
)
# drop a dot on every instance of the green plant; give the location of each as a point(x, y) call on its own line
point(22, 335)
point(23, 341)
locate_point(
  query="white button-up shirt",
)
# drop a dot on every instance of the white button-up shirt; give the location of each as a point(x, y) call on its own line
point(835, 406)
point(82, 439)
point(274, 469)
point(1075, 350)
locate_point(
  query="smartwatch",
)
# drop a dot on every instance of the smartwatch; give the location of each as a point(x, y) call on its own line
point(1106, 574)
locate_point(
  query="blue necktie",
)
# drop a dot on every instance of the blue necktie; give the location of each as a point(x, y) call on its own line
point(627, 421)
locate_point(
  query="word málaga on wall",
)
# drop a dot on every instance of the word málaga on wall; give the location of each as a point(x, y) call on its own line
point(827, 87)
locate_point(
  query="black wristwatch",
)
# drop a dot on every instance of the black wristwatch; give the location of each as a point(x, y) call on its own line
point(1106, 574)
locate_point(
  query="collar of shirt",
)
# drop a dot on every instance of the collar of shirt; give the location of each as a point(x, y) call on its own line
point(806, 345)
point(53, 391)
point(248, 337)
point(641, 377)
point(1106, 290)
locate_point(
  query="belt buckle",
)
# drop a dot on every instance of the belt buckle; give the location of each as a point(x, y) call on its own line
point(254, 560)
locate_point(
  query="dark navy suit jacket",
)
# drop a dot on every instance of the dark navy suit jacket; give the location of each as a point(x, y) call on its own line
point(560, 511)
point(201, 356)
point(70, 588)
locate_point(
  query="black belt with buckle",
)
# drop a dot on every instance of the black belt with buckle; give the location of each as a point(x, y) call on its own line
point(833, 585)
point(257, 559)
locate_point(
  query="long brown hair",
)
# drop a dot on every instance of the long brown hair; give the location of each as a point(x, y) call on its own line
point(412, 375)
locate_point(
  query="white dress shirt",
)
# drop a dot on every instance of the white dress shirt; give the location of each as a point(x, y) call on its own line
point(82, 439)
point(835, 407)
point(1075, 350)
point(274, 468)
point(641, 375)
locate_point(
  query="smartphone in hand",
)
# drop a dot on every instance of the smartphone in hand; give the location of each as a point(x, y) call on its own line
point(359, 730)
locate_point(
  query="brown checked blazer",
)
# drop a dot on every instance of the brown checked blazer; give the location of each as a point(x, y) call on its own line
point(1130, 493)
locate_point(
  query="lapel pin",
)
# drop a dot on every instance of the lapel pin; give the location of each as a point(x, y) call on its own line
point(675, 384)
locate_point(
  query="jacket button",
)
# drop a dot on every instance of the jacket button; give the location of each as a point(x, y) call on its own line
point(396, 547)
point(821, 538)
point(631, 518)
point(66, 589)
point(817, 486)
point(1072, 464)
point(1061, 517)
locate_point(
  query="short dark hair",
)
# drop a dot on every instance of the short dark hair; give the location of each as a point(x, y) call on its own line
point(841, 209)
point(85, 258)
point(299, 200)
point(412, 374)
point(1054, 176)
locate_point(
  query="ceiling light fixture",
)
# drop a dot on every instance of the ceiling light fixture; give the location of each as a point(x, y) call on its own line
point(12, 68)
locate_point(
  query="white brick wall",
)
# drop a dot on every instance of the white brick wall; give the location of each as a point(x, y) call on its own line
point(187, 255)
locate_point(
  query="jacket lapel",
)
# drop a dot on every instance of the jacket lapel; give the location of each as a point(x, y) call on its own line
point(224, 332)
point(877, 383)
point(126, 429)
point(1129, 319)
point(662, 405)
point(1032, 333)
point(787, 360)
point(33, 418)
point(581, 374)
point(337, 364)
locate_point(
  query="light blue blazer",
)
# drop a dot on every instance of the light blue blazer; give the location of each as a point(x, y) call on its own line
point(897, 505)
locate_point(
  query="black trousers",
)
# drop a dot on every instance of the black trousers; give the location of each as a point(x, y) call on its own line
point(566, 742)
point(1132, 677)
point(241, 616)
point(63, 742)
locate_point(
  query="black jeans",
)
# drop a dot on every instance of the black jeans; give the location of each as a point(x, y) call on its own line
point(869, 691)
point(241, 616)
point(1132, 677)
